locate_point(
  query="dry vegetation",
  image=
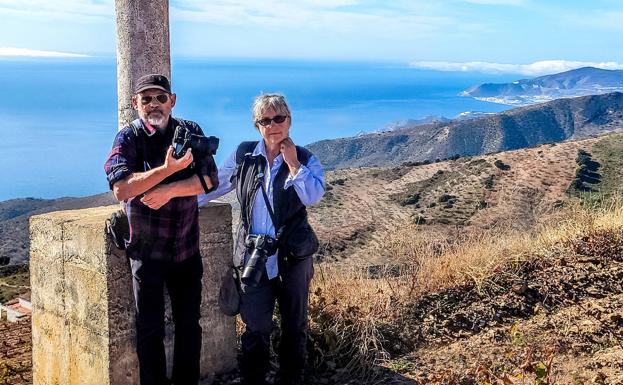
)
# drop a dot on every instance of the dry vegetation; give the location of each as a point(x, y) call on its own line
point(513, 189)
point(14, 281)
point(15, 353)
point(493, 307)
point(507, 280)
point(516, 284)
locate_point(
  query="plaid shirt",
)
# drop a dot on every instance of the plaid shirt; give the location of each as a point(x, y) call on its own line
point(171, 232)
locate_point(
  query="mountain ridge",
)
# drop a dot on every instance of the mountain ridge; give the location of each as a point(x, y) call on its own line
point(578, 82)
point(555, 121)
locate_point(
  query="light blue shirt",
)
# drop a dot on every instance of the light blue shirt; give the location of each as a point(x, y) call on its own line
point(308, 183)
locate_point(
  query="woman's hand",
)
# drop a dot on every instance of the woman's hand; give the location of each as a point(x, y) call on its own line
point(288, 150)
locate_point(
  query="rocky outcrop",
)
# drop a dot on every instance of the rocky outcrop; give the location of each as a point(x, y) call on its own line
point(83, 312)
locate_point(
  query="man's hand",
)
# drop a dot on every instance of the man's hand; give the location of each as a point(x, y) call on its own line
point(156, 197)
point(175, 165)
point(288, 149)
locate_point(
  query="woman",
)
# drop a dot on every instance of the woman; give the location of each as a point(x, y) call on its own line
point(273, 174)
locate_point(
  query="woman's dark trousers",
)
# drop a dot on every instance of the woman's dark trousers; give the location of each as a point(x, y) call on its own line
point(256, 310)
point(183, 282)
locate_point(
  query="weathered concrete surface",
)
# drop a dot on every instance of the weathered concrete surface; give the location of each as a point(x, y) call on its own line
point(83, 309)
point(142, 47)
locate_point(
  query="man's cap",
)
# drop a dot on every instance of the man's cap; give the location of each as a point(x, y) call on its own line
point(151, 81)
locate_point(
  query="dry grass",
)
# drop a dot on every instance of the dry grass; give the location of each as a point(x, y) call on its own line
point(350, 309)
point(367, 201)
point(14, 281)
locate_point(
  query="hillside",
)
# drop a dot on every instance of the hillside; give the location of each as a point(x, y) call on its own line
point(574, 83)
point(554, 121)
point(525, 291)
point(363, 205)
point(475, 270)
point(514, 189)
point(500, 308)
point(14, 216)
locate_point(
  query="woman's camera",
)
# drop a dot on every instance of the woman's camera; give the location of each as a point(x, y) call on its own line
point(260, 246)
point(201, 145)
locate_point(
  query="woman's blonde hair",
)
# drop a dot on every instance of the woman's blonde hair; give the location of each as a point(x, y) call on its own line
point(265, 101)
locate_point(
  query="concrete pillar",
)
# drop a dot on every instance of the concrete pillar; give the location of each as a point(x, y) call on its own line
point(83, 309)
point(142, 47)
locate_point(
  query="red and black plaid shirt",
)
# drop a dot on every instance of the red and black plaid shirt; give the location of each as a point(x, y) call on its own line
point(170, 233)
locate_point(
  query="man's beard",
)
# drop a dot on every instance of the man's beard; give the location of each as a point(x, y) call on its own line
point(157, 120)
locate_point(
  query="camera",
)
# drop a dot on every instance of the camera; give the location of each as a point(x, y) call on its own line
point(261, 247)
point(201, 145)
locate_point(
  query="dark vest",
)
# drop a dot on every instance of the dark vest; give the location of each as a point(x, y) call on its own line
point(290, 212)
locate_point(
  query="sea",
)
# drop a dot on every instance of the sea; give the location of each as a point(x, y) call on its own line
point(59, 116)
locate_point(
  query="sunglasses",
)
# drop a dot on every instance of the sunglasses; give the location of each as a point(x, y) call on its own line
point(161, 98)
point(277, 119)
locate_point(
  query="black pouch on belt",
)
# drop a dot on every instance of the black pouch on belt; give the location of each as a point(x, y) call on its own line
point(119, 228)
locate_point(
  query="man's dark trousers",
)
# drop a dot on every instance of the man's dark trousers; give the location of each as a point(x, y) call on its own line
point(256, 310)
point(183, 282)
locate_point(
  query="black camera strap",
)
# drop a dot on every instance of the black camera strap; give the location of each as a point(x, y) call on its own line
point(267, 201)
point(203, 182)
point(282, 231)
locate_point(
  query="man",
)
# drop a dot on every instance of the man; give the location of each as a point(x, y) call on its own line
point(159, 194)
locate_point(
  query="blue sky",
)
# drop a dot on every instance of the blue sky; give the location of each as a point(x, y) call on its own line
point(424, 33)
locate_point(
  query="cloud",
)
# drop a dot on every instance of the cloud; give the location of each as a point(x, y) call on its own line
point(323, 15)
point(534, 69)
point(78, 11)
point(9, 51)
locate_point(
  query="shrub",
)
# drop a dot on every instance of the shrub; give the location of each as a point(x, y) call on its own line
point(420, 220)
point(488, 182)
point(356, 320)
point(501, 165)
point(411, 199)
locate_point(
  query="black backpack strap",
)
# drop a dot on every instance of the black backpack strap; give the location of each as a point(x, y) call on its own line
point(135, 128)
point(243, 149)
point(269, 206)
point(182, 123)
point(140, 137)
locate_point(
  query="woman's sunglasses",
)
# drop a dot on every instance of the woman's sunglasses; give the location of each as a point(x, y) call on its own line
point(277, 119)
point(161, 98)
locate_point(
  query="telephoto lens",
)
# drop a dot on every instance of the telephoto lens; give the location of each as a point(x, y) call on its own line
point(254, 268)
point(260, 246)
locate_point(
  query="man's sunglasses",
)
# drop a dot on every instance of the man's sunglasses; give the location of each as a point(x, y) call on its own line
point(161, 98)
point(277, 119)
